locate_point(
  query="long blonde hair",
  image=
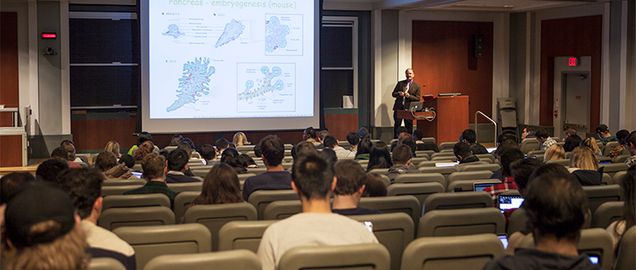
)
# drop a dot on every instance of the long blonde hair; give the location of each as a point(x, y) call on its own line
point(554, 152)
point(584, 159)
point(113, 147)
point(239, 139)
point(65, 252)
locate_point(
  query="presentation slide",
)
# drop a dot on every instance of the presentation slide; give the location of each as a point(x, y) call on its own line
point(248, 62)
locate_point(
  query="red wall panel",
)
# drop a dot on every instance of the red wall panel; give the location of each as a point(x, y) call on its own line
point(9, 88)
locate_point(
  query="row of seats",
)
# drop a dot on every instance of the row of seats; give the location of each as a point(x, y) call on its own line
point(157, 247)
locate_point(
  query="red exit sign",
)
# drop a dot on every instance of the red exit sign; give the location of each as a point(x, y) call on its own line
point(573, 61)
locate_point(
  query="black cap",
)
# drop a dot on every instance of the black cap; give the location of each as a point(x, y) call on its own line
point(602, 128)
point(36, 203)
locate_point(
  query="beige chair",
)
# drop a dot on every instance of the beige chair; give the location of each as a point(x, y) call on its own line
point(613, 168)
point(421, 191)
point(256, 171)
point(517, 222)
point(224, 260)
point(478, 167)
point(562, 162)
point(608, 148)
point(617, 178)
point(536, 153)
point(442, 170)
point(427, 164)
point(471, 252)
point(152, 241)
point(183, 187)
point(243, 234)
point(470, 175)
point(420, 178)
point(138, 200)
point(261, 198)
point(607, 179)
point(395, 231)
point(443, 154)
point(380, 171)
point(396, 204)
point(486, 157)
point(468, 185)
point(597, 195)
point(353, 257)
point(214, 216)
point(529, 144)
point(461, 222)
point(457, 200)
point(182, 201)
point(124, 182)
point(444, 158)
point(282, 209)
point(626, 259)
point(200, 171)
point(105, 264)
point(607, 213)
point(418, 159)
point(117, 190)
point(135, 216)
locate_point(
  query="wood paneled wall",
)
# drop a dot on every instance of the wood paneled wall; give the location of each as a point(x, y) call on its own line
point(9, 87)
point(581, 36)
point(443, 60)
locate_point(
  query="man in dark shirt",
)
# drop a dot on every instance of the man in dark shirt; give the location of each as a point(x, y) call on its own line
point(155, 169)
point(275, 178)
point(470, 137)
point(556, 232)
point(401, 156)
point(350, 185)
point(177, 166)
point(463, 153)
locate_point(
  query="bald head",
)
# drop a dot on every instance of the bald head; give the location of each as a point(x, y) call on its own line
point(409, 73)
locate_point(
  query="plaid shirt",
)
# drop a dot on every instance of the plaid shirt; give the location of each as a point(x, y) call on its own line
point(507, 184)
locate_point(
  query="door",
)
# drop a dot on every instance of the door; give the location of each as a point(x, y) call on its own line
point(576, 101)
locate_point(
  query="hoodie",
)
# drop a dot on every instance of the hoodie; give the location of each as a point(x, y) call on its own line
point(531, 259)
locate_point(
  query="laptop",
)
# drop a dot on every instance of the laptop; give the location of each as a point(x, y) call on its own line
point(415, 106)
point(508, 202)
point(481, 186)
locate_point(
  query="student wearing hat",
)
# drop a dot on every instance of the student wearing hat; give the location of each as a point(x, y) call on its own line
point(604, 135)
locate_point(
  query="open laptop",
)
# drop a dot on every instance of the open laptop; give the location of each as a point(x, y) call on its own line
point(482, 185)
point(508, 202)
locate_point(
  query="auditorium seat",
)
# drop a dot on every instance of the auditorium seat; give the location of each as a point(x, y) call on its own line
point(243, 234)
point(443, 154)
point(461, 222)
point(617, 178)
point(214, 216)
point(395, 204)
point(613, 168)
point(442, 170)
point(535, 153)
point(597, 195)
point(607, 213)
point(245, 148)
point(457, 200)
point(224, 260)
point(380, 171)
point(256, 171)
point(261, 198)
point(517, 221)
point(486, 157)
point(137, 200)
point(360, 256)
point(444, 159)
point(105, 264)
point(426, 164)
point(395, 231)
point(152, 241)
point(117, 190)
point(529, 144)
point(608, 148)
point(182, 187)
point(281, 209)
point(470, 175)
point(136, 216)
point(446, 146)
point(124, 182)
point(418, 159)
point(468, 185)
point(420, 178)
point(620, 159)
point(625, 260)
point(424, 153)
point(562, 162)
point(470, 252)
point(200, 171)
point(478, 167)
point(182, 201)
point(419, 190)
point(597, 242)
point(607, 179)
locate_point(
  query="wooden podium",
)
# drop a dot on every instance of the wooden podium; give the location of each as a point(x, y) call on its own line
point(448, 122)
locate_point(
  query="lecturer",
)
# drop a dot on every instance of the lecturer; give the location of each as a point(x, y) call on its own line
point(404, 93)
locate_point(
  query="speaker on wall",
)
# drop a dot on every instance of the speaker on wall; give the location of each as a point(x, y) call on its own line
point(478, 45)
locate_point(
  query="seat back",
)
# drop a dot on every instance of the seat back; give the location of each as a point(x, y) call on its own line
point(182, 201)
point(140, 200)
point(380, 171)
point(468, 185)
point(136, 216)
point(617, 178)
point(214, 216)
point(626, 250)
point(597, 195)
point(105, 264)
point(243, 234)
point(183, 187)
point(470, 175)
point(123, 182)
point(461, 222)
point(117, 189)
point(562, 162)
point(261, 198)
point(395, 231)
point(360, 256)
point(225, 260)
point(420, 178)
point(457, 200)
point(442, 170)
point(281, 209)
point(486, 157)
point(152, 241)
point(607, 179)
point(446, 146)
point(517, 222)
point(469, 252)
point(607, 213)
point(421, 191)
point(613, 168)
point(529, 144)
point(608, 148)
point(396, 204)
point(479, 167)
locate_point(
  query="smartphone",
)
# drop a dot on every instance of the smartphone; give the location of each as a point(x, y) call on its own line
point(137, 175)
point(368, 225)
point(504, 240)
point(594, 259)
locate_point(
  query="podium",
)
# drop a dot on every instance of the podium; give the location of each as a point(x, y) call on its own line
point(446, 124)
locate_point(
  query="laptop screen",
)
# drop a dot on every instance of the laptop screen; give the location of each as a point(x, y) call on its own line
point(507, 202)
point(481, 186)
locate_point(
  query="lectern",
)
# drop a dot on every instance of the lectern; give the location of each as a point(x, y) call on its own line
point(447, 123)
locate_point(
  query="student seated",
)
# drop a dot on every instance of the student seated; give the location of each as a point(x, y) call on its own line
point(619, 227)
point(630, 142)
point(155, 169)
point(353, 140)
point(276, 177)
point(106, 162)
point(509, 156)
point(584, 166)
point(221, 185)
point(554, 152)
point(464, 155)
point(313, 180)
point(364, 148)
point(11, 184)
point(621, 148)
point(604, 135)
point(49, 170)
point(375, 186)
point(470, 137)
point(350, 186)
point(380, 157)
point(556, 232)
point(177, 166)
point(84, 186)
point(341, 153)
point(401, 162)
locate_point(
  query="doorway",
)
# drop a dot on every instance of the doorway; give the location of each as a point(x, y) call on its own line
point(572, 95)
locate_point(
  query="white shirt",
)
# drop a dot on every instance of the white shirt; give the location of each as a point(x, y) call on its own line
point(310, 229)
point(98, 237)
point(342, 153)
